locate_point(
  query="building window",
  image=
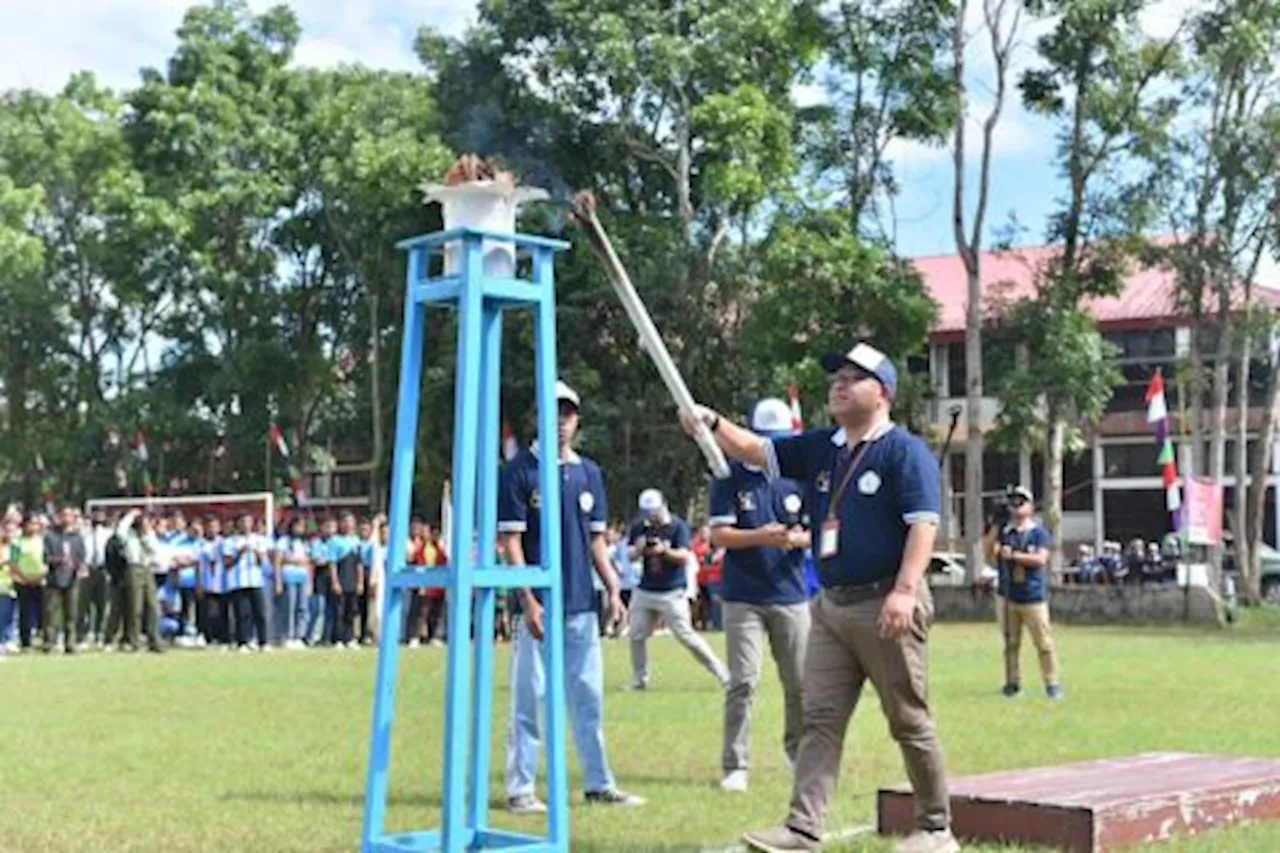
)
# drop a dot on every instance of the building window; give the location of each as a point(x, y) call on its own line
point(1131, 460)
point(1132, 395)
point(1144, 344)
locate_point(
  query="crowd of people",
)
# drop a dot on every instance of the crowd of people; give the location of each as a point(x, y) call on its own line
point(73, 582)
point(1140, 563)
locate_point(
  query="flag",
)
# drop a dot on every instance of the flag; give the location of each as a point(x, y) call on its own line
point(793, 394)
point(509, 446)
point(1157, 410)
point(276, 438)
point(1158, 415)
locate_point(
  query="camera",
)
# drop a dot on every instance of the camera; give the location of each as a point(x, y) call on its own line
point(652, 539)
point(1002, 514)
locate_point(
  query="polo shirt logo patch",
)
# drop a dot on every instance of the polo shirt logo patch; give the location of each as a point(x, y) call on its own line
point(822, 482)
point(791, 503)
point(586, 502)
point(746, 501)
point(869, 483)
point(535, 499)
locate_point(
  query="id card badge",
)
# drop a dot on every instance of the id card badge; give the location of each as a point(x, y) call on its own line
point(829, 539)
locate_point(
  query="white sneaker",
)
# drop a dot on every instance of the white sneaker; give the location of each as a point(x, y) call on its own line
point(526, 804)
point(929, 841)
point(414, 643)
point(638, 684)
point(735, 781)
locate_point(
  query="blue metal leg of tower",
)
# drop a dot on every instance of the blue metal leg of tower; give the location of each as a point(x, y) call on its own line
point(473, 574)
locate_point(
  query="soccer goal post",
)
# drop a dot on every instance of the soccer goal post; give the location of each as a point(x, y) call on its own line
point(225, 507)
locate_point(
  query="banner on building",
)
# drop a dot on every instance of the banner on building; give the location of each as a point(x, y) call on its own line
point(1203, 511)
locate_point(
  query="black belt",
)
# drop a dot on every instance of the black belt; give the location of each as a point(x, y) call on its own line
point(845, 595)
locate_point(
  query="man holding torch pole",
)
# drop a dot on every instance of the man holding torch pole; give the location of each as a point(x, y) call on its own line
point(874, 492)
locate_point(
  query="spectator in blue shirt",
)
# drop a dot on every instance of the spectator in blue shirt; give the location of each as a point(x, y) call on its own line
point(1022, 555)
point(583, 517)
point(873, 490)
point(661, 541)
point(760, 524)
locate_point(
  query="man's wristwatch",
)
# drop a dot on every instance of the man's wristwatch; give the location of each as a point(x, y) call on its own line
point(715, 423)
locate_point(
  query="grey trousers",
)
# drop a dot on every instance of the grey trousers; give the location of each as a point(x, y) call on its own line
point(746, 626)
point(673, 607)
point(845, 651)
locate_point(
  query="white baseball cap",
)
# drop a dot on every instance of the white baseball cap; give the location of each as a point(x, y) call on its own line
point(651, 501)
point(772, 416)
point(564, 392)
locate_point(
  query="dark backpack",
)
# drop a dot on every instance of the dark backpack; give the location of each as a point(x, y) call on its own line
point(114, 559)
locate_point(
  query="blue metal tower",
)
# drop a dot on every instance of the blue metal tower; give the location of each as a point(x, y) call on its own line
point(480, 299)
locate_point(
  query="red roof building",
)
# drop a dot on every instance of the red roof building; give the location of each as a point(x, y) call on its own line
point(1144, 321)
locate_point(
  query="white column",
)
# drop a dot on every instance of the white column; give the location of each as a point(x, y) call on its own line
point(1099, 472)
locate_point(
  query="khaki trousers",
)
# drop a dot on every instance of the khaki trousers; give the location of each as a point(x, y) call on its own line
point(1012, 618)
point(845, 651)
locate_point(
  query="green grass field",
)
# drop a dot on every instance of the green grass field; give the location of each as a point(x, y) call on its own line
point(197, 751)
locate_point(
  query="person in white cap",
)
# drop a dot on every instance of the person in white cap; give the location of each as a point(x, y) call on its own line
point(1022, 553)
point(874, 494)
point(762, 527)
point(583, 519)
point(660, 541)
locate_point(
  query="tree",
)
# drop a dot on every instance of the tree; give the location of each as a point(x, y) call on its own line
point(1002, 28)
point(680, 118)
point(823, 287)
point(888, 81)
point(1222, 207)
point(1100, 77)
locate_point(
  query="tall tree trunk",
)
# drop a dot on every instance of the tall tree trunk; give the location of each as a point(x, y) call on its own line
point(376, 492)
point(1244, 543)
point(1260, 464)
point(1196, 391)
point(1055, 441)
point(1218, 429)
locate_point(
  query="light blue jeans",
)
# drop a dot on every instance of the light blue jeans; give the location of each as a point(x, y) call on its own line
point(584, 698)
point(290, 612)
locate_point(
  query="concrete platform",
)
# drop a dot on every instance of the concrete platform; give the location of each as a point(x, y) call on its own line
point(1102, 805)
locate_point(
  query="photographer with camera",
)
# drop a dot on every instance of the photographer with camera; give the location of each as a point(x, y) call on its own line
point(661, 542)
point(762, 527)
point(1021, 551)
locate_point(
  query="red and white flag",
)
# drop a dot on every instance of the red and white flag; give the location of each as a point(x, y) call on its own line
point(277, 441)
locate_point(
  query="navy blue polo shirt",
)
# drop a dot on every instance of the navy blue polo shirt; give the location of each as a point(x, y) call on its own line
point(658, 574)
point(1032, 590)
point(583, 514)
point(749, 500)
point(896, 484)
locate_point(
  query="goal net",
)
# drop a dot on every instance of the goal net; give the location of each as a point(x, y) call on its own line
point(226, 507)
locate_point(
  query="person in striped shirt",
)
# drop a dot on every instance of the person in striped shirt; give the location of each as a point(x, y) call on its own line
point(248, 552)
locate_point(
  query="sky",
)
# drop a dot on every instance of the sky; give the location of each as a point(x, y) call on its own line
point(114, 38)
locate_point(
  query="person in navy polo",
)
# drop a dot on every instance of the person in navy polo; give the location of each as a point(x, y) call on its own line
point(762, 527)
point(1022, 592)
point(660, 541)
point(584, 513)
point(873, 490)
